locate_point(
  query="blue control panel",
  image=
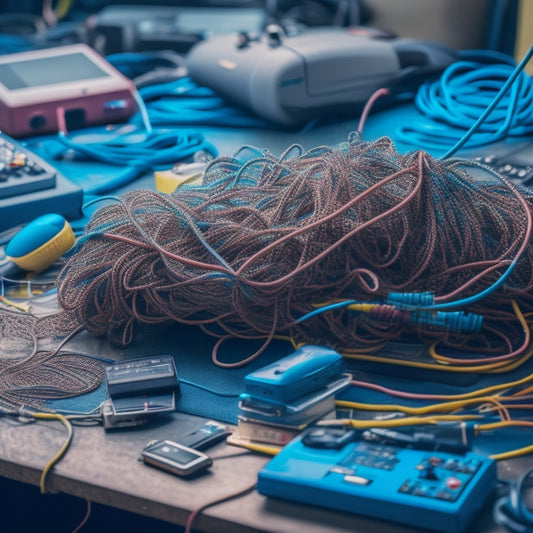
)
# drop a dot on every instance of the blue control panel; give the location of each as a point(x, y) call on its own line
point(421, 488)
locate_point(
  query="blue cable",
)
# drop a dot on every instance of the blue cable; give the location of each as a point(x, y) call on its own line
point(419, 314)
point(482, 98)
point(138, 151)
point(324, 308)
point(183, 102)
point(10, 44)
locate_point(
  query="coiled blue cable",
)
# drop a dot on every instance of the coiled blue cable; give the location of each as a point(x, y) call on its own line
point(482, 98)
point(182, 102)
point(139, 151)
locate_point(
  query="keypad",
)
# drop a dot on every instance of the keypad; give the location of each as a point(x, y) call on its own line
point(21, 171)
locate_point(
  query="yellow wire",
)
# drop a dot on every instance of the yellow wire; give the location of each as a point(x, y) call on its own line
point(487, 390)
point(424, 410)
point(497, 367)
point(493, 368)
point(512, 454)
point(62, 8)
point(444, 360)
point(63, 449)
point(412, 421)
point(256, 447)
point(396, 422)
point(9, 303)
point(505, 423)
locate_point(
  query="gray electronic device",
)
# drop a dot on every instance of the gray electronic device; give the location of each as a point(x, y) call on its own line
point(291, 79)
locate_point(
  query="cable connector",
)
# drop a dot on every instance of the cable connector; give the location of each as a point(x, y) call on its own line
point(454, 437)
point(453, 321)
point(403, 300)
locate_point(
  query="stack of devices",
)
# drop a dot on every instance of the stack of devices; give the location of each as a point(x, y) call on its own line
point(282, 398)
point(139, 389)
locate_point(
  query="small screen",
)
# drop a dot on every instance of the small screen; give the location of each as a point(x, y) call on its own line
point(177, 455)
point(49, 71)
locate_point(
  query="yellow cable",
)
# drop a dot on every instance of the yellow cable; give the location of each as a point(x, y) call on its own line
point(61, 452)
point(518, 313)
point(412, 421)
point(254, 446)
point(364, 308)
point(424, 410)
point(512, 454)
point(396, 422)
point(493, 368)
point(497, 367)
point(488, 390)
point(24, 308)
point(504, 423)
point(62, 8)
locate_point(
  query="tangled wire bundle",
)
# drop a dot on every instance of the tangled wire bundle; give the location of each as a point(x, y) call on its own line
point(263, 241)
point(30, 375)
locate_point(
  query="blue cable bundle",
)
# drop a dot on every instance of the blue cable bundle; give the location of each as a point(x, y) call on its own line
point(182, 102)
point(484, 84)
point(174, 99)
point(135, 149)
point(156, 149)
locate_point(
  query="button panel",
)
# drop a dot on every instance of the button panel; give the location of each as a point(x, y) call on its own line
point(21, 171)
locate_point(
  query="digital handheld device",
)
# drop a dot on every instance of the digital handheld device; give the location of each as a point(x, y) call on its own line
point(138, 376)
point(136, 410)
point(40, 88)
point(139, 389)
point(175, 458)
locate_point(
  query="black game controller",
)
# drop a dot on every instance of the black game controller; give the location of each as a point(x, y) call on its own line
point(290, 79)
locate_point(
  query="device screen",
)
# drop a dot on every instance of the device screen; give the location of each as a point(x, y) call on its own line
point(175, 454)
point(53, 70)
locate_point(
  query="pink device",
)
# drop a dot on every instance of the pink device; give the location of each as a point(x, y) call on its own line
point(41, 88)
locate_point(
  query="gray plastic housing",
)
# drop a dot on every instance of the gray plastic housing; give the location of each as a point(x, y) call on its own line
point(292, 79)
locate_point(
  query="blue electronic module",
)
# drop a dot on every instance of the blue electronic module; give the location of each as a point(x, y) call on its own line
point(429, 489)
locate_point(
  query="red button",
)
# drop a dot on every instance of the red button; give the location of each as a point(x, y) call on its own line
point(453, 482)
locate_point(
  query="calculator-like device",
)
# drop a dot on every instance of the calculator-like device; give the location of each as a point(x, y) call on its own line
point(21, 171)
point(30, 186)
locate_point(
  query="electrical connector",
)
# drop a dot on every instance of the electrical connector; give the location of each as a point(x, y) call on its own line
point(455, 437)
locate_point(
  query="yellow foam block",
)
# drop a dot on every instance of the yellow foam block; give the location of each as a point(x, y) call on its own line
point(167, 181)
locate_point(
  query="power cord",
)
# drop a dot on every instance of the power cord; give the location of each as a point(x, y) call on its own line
point(195, 513)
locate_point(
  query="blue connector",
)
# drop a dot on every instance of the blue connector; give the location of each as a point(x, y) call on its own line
point(453, 321)
point(410, 299)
